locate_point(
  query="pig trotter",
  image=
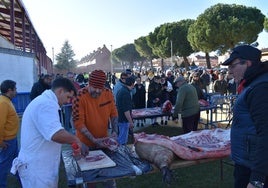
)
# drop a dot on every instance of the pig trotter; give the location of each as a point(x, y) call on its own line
point(166, 175)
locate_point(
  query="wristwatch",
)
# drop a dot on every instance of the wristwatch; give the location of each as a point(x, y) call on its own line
point(257, 184)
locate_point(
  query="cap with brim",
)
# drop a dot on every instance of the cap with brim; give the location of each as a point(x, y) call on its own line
point(130, 81)
point(123, 75)
point(128, 71)
point(179, 79)
point(97, 79)
point(246, 52)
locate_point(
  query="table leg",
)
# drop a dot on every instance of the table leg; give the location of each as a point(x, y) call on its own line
point(207, 112)
point(221, 169)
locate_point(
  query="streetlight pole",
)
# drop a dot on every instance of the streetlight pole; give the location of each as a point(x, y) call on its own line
point(52, 59)
point(111, 60)
point(171, 51)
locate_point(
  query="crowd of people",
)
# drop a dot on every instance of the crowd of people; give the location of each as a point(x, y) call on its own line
point(103, 101)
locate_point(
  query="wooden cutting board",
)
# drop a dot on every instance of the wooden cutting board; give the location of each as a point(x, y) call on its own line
point(95, 159)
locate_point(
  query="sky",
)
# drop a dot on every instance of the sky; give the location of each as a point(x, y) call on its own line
point(90, 24)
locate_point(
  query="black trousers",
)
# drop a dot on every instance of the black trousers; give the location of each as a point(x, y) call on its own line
point(242, 175)
point(190, 123)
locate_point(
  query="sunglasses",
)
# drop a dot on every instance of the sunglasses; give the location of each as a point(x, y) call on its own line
point(232, 66)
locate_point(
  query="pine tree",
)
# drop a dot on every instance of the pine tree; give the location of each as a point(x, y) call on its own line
point(65, 59)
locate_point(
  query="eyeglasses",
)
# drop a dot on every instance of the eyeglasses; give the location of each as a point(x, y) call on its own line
point(232, 66)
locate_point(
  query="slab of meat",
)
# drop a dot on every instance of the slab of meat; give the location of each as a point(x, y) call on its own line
point(140, 113)
point(167, 106)
point(94, 158)
point(194, 145)
point(158, 155)
point(109, 143)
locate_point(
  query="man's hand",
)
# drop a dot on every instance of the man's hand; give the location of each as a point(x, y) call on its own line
point(79, 149)
point(84, 150)
point(175, 120)
point(107, 142)
point(99, 143)
point(131, 125)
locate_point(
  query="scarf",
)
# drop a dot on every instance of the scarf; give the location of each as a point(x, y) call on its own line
point(241, 86)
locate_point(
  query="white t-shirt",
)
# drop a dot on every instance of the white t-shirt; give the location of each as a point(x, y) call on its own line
point(40, 122)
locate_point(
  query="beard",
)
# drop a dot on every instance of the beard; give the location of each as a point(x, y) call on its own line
point(95, 94)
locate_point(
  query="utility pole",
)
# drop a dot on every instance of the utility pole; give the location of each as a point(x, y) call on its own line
point(111, 60)
point(171, 52)
point(52, 59)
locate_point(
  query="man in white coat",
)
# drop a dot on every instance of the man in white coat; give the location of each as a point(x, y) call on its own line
point(42, 135)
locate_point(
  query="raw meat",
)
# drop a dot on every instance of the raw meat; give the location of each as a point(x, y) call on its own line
point(95, 158)
point(203, 102)
point(160, 156)
point(167, 106)
point(110, 143)
point(194, 145)
point(141, 113)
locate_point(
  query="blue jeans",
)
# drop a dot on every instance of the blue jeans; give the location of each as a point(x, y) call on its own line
point(67, 113)
point(6, 158)
point(123, 133)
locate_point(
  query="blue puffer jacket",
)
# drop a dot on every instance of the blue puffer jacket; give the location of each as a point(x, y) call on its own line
point(243, 131)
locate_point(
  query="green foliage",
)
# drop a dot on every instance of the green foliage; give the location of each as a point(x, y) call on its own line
point(223, 26)
point(141, 45)
point(265, 24)
point(181, 46)
point(159, 43)
point(65, 59)
point(176, 32)
point(127, 53)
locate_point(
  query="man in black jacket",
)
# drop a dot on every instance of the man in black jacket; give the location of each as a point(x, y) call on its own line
point(249, 131)
point(41, 85)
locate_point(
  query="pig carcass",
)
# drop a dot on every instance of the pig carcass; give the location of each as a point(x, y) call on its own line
point(194, 145)
point(158, 155)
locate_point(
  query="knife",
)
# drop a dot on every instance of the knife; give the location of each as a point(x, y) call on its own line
point(194, 148)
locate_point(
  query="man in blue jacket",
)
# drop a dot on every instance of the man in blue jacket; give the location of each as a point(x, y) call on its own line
point(249, 131)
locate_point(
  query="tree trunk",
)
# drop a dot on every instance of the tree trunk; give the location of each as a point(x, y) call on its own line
point(162, 64)
point(141, 65)
point(208, 61)
point(186, 63)
point(131, 65)
point(151, 64)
